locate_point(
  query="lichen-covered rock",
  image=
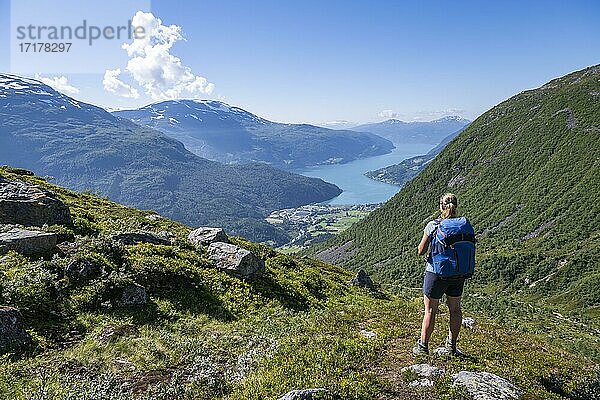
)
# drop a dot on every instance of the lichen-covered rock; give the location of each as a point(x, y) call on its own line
point(469, 323)
point(82, 270)
point(362, 279)
point(423, 370)
point(487, 386)
point(29, 205)
point(133, 295)
point(235, 260)
point(206, 236)
point(28, 242)
point(13, 335)
point(303, 394)
point(133, 238)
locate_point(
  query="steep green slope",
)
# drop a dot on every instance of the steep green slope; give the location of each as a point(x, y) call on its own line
point(204, 334)
point(526, 174)
point(84, 147)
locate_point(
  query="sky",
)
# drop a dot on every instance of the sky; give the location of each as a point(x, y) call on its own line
point(316, 61)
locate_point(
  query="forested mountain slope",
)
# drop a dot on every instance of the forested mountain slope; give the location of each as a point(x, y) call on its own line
point(218, 131)
point(84, 147)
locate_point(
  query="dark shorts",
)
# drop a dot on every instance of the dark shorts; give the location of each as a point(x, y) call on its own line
point(435, 287)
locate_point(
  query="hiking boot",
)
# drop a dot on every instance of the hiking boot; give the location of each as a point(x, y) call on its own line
point(420, 349)
point(450, 345)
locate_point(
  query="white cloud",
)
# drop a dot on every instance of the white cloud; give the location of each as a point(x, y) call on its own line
point(113, 84)
point(388, 114)
point(162, 75)
point(59, 83)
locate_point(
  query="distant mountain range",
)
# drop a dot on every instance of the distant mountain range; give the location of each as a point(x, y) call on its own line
point(84, 147)
point(399, 174)
point(218, 131)
point(400, 132)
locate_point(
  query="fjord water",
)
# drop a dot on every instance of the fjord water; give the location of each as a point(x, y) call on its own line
point(357, 188)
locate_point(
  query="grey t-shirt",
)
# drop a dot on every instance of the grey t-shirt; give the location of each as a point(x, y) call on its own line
point(429, 230)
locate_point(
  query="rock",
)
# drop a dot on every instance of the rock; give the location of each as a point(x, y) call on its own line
point(206, 235)
point(368, 334)
point(362, 279)
point(133, 238)
point(421, 383)
point(153, 217)
point(487, 386)
point(133, 295)
point(303, 394)
point(30, 205)
point(69, 248)
point(442, 351)
point(423, 370)
point(27, 242)
point(235, 260)
point(12, 333)
point(469, 323)
point(111, 333)
point(82, 270)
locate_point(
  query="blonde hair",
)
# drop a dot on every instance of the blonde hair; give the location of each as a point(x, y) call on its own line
point(448, 204)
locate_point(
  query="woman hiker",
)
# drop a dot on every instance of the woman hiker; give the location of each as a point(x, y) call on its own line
point(438, 280)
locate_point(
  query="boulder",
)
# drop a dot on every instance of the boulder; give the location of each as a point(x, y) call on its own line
point(27, 242)
point(487, 386)
point(362, 279)
point(29, 205)
point(235, 260)
point(206, 236)
point(12, 333)
point(133, 238)
point(133, 295)
point(302, 394)
point(82, 270)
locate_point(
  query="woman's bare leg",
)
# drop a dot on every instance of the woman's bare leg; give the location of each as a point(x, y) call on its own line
point(455, 316)
point(431, 308)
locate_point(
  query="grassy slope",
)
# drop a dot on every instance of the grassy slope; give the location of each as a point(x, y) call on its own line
point(207, 335)
point(526, 175)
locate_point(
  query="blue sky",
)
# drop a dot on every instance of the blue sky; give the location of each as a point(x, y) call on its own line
point(319, 61)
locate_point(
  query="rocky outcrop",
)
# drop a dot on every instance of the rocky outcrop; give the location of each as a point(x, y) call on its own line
point(133, 295)
point(29, 205)
point(12, 332)
point(206, 236)
point(303, 394)
point(487, 386)
point(362, 279)
point(133, 238)
point(28, 242)
point(235, 260)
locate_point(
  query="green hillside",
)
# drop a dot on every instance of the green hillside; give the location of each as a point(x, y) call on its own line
point(204, 334)
point(527, 175)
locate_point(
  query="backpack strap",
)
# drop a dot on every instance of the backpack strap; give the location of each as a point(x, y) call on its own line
point(461, 237)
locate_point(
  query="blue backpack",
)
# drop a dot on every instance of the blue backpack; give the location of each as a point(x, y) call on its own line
point(453, 248)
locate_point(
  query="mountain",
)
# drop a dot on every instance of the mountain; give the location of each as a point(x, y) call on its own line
point(401, 132)
point(86, 148)
point(526, 174)
point(399, 174)
point(101, 318)
point(218, 131)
